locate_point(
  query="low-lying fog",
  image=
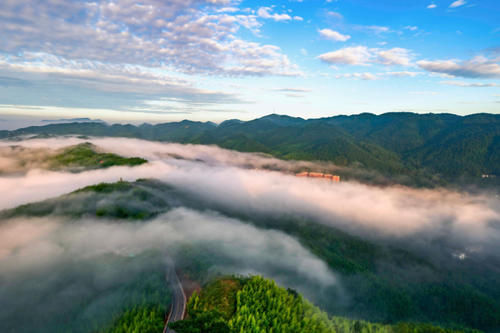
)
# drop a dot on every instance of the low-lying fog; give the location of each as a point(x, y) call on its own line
point(27, 244)
point(239, 180)
point(468, 224)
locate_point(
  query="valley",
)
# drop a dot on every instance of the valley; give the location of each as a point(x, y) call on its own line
point(385, 281)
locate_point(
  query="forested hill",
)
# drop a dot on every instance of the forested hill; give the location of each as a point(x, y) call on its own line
point(256, 304)
point(445, 147)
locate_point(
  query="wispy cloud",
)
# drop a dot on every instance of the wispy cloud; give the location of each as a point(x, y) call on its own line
point(362, 55)
point(376, 76)
point(335, 15)
point(267, 13)
point(293, 90)
point(362, 76)
point(357, 55)
point(477, 67)
point(132, 83)
point(457, 3)
point(333, 35)
point(470, 84)
point(192, 36)
point(377, 28)
point(411, 27)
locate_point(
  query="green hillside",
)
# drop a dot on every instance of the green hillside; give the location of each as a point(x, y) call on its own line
point(121, 200)
point(385, 282)
point(108, 294)
point(85, 156)
point(414, 149)
point(256, 304)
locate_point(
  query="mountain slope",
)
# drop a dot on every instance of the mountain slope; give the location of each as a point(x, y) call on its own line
point(384, 282)
point(422, 149)
point(256, 304)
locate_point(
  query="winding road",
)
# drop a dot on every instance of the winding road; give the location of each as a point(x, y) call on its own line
point(178, 306)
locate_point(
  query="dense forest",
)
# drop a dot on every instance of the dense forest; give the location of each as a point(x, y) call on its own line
point(146, 312)
point(139, 319)
point(110, 294)
point(408, 148)
point(86, 156)
point(386, 282)
point(256, 304)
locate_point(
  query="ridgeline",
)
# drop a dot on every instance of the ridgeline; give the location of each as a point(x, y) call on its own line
point(412, 149)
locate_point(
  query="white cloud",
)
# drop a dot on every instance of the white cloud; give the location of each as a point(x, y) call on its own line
point(335, 15)
point(362, 55)
point(394, 56)
point(377, 28)
point(53, 241)
point(457, 3)
point(411, 27)
point(431, 6)
point(228, 10)
point(362, 76)
point(358, 55)
point(265, 12)
point(376, 76)
point(293, 90)
point(470, 84)
point(401, 74)
point(189, 36)
point(333, 35)
point(236, 180)
point(294, 95)
point(477, 67)
point(115, 78)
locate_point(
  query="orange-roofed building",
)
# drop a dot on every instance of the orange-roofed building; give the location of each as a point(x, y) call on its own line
point(329, 176)
point(316, 174)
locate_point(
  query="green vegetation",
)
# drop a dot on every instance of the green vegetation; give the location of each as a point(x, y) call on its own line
point(262, 305)
point(258, 305)
point(98, 294)
point(140, 200)
point(384, 282)
point(407, 148)
point(107, 188)
point(144, 308)
point(389, 284)
point(140, 319)
point(85, 156)
point(219, 295)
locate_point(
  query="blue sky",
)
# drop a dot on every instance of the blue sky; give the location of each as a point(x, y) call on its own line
point(157, 60)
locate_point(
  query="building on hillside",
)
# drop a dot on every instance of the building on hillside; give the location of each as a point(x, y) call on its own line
point(327, 176)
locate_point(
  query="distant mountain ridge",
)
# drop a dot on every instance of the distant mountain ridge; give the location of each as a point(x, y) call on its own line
point(446, 146)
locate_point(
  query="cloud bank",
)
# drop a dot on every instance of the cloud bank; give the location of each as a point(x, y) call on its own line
point(247, 182)
point(88, 270)
point(220, 196)
point(33, 243)
point(194, 36)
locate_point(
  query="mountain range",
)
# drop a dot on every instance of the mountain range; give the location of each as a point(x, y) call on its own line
point(413, 149)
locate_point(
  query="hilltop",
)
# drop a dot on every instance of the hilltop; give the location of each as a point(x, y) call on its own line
point(255, 304)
